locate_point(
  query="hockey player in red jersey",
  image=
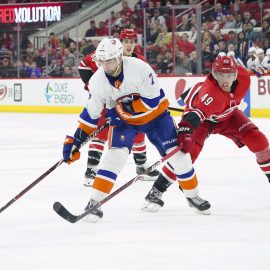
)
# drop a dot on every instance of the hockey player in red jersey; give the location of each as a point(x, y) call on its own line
point(212, 107)
point(87, 68)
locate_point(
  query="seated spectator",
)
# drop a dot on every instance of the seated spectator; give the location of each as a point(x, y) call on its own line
point(238, 21)
point(168, 60)
point(68, 58)
point(54, 69)
point(219, 12)
point(231, 48)
point(265, 30)
point(250, 34)
point(33, 71)
point(151, 53)
point(164, 38)
point(160, 66)
point(158, 17)
point(109, 22)
point(91, 32)
point(126, 10)
point(231, 38)
point(242, 47)
point(184, 45)
point(216, 38)
point(185, 24)
point(193, 62)
point(67, 72)
point(102, 30)
point(247, 18)
point(230, 22)
point(193, 36)
point(150, 8)
point(207, 38)
point(7, 70)
point(207, 58)
point(53, 41)
point(82, 45)
point(67, 40)
point(221, 47)
point(137, 17)
point(38, 59)
point(183, 64)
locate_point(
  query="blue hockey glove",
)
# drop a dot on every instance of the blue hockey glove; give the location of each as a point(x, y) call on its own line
point(114, 118)
point(72, 144)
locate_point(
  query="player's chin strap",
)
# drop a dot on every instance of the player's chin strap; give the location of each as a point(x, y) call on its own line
point(56, 165)
point(119, 67)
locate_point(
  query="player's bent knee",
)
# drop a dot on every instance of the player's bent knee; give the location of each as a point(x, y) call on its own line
point(181, 162)
point(115, 160)
point(255, 140)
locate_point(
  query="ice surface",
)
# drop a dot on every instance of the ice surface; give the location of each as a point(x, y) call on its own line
point(235, 237)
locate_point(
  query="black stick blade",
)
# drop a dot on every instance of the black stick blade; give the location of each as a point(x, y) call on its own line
point(64, 213)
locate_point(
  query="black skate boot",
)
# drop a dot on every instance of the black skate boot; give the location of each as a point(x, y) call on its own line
point(200, 205)
point(153, 201)
point(151, 176)
point(89, 175)
point(95, 212)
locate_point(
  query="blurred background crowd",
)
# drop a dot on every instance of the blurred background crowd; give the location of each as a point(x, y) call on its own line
point(176, 37)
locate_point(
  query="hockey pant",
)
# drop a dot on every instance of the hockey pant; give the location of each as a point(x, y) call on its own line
point(96, 147)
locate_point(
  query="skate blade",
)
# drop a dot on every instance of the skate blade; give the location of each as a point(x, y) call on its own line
point(146, 177)
point(88, 182)
point(150, 207)
point(91, 218)
point(203, 212)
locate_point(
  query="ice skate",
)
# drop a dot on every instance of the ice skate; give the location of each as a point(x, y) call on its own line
point(151, 176)
point(153, 201)
point(200, 205)
point(89, 175)
point(95, 212)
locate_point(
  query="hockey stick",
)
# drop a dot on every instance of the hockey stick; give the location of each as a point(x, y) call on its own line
point(50, 170)
point(65, 214)
point(176, 109)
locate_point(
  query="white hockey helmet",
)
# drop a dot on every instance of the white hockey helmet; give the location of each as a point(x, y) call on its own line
point(231, 53)
point(109, 48)
point(252, 50)
point(259, 51)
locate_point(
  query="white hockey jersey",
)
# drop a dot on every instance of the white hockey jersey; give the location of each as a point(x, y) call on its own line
point(137, 83)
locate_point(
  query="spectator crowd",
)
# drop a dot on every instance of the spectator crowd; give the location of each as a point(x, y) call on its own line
point(240, 28)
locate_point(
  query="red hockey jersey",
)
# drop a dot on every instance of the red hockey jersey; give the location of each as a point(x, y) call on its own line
point(210, 102)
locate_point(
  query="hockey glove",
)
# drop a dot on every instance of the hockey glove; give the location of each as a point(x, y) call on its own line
point(128, 107)
point(185, 136)
point(114, 118)
point(72, 144)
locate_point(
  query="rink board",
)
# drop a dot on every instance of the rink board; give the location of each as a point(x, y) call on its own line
point(67, 95)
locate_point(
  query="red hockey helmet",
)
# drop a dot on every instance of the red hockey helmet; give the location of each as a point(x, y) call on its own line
point(224, 64)
point(128, 34)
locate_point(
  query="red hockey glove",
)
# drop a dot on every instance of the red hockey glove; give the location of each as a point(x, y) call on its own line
point(185, 136)
point(86, 87)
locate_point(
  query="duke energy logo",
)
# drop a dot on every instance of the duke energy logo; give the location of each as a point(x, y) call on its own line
point(58, 93)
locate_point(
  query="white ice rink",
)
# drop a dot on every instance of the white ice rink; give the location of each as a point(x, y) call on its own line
point(236, 236)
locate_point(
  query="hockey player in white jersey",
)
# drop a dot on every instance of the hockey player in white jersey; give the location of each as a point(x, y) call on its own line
point(129, 89)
